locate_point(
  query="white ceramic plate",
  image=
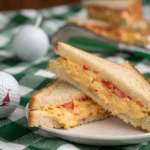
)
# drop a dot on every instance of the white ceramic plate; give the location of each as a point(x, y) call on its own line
point(108, 132)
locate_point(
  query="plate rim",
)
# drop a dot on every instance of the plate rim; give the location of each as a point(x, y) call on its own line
point(95, 137)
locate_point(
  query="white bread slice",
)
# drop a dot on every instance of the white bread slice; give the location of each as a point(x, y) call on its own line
point(81, 21)
point(40, 118)
point(143, 123)
point(115, 4)
point(131, 83)
point(56, 93)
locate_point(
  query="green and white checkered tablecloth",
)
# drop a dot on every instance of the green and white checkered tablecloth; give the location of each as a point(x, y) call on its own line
point(14, 133)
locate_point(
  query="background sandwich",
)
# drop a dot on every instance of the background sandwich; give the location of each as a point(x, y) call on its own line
point(117, 12)
point(61, 105)
point(121, 90)
point(121, 13)
point(124, 34)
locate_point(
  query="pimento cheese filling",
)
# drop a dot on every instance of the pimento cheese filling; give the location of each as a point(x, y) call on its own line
point(118, 17)
point(117, 34)
point(69, 114)
point(118, 101)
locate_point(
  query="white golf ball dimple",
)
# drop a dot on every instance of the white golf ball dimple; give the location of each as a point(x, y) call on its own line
point(31, 43)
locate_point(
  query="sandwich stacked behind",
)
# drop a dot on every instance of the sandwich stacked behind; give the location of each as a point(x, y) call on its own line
point(122, 13)
point(121, 90)
point(118, 20)
point(105, 29)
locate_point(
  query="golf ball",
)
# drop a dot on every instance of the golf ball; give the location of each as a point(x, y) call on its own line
point(9, 94)
point(30, 43)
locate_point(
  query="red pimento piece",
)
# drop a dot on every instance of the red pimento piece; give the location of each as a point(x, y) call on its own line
point(119, 93)
point(95, 72)
point(69, 105)
point(129, 98)
point(114, 89)
point(91, 114)
point(85, 98)
point(124, 13)
point(107, 29)
point(97, 28)
point(85, 67)
point(107, 84)
point(139, 103)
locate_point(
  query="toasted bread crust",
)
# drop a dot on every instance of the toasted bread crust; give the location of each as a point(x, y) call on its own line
point(33, 121)
point(30, 119)
point(39, 118)
point(140, 124)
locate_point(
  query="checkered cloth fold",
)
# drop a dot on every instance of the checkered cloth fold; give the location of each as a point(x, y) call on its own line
point(14, 132)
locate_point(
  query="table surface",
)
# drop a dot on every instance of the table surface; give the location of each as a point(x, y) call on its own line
point(14, 132)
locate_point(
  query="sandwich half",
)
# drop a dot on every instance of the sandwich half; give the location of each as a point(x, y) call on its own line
point(121, 90)
point(117, 12)
point(61, 105)
point(124, 35)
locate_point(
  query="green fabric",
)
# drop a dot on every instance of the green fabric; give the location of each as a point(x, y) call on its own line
point(14, 132)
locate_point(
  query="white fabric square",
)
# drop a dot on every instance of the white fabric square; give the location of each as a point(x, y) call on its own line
point(17, 114)
point(143, 68)
point(59, 10)
point(68, 147)
point(41, 60)
point(43, 133)
point(29, 13)
point(25, 90)
point(54, 24)
point(117, 60)
point(3, 20)
point(3, 40)
point(5, 54)
point(45, 73)
point(15, 70)
point(11, 146)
